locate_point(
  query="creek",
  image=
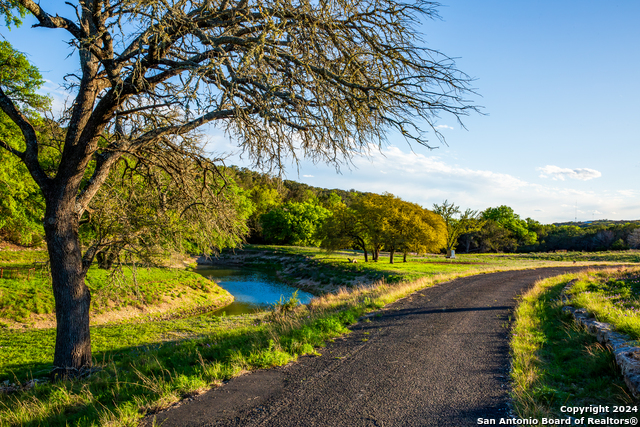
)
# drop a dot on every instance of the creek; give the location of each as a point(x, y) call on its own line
point(252, 289)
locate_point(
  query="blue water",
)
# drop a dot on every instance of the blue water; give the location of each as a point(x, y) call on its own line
point(253, 289)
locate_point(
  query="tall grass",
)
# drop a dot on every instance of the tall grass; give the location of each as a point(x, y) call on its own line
point(555, 362)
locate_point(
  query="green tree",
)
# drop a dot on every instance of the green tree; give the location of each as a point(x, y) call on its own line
point(344, 229)
point(328, 78)
point(294, 223)
point(505, 217)
point(457, 223)
point(427, 234)
point(21, 202)
point(264, 198)
point(410, 228)
point(144, 211)
point(373, 214)
point(495, 238)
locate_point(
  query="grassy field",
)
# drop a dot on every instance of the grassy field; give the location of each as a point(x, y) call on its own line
point(556, 363)
point(26, 297)
point(144, 366)
point(628, 256)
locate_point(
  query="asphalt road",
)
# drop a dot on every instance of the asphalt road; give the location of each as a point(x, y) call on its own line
point(439, 357)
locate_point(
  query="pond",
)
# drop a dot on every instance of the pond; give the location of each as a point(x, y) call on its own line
point(253, 290)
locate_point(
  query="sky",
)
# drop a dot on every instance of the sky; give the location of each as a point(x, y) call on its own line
point(559, 89)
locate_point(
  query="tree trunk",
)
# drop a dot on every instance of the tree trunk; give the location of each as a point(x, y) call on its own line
point(364, 248)
point(404, 257)
point(72, 297)
point(106, 258)
point(391, 252)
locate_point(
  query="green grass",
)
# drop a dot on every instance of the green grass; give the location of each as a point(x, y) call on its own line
point(142, 371)
point(612, 296)
point(628, 256)
point(22, 258)
point(557, 363)
point(112, 291)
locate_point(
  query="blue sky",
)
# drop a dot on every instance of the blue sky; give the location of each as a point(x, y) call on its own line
point(559, 86)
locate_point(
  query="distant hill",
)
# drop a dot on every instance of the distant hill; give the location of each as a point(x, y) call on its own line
point(598, 222)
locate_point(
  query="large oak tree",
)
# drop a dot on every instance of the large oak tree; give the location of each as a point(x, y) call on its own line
point(322, 79)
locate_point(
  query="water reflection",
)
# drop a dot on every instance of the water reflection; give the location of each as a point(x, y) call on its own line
point(253, 289)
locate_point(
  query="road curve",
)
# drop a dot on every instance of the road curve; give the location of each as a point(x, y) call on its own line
point(439, 357)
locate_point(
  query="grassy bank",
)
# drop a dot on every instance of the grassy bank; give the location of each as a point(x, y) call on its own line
point(612, 296)
point(628, 256)
point(27, 300)
point(145, 374)
point(556, 363)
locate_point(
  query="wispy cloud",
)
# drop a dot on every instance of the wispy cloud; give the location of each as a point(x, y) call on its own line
point(441, 127)
point(427, 179)
point(628, 193)
point(558, 173)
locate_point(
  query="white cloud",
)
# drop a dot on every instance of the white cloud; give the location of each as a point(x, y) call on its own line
point(558, 173)
point(628, 193)
point(59, 96)
point(440, 127)
point(427, 179)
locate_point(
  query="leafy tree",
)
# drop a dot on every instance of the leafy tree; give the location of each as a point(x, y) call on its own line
point(21, 202)
point(344, 229)
point(372, 211)
point(634, 239)
point(429, 237)
point(457, 223)
point(505, 217)
point(142, 209)
point(410, 228)
point(294, 223)
point(329, 78)
point(495, 238)
point(265, 198)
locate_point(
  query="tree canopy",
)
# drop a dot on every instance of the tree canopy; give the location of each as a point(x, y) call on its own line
point(457, 222)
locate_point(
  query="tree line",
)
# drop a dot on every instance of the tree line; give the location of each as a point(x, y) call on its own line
point(143, 213)
point(500, 229)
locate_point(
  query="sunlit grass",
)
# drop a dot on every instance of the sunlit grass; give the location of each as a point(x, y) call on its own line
point(26, 300)
point(333, 267)
point(555, 362)
point(612, 296)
